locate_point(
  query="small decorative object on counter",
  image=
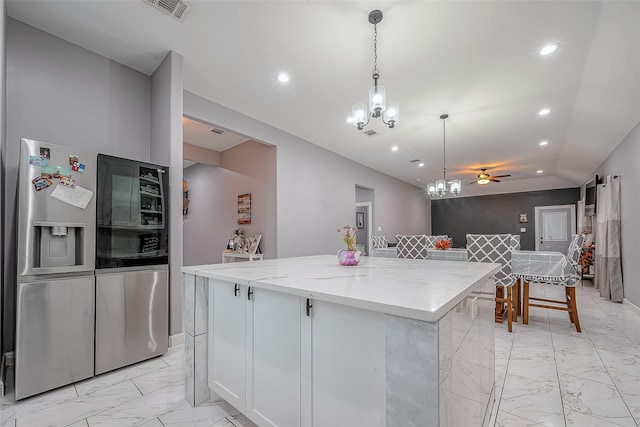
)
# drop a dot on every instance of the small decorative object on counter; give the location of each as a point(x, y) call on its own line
point(443, 244)
point(351, 256)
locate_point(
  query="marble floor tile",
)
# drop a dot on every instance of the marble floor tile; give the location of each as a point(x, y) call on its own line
point(594, 399)
point(532, 351)
point(143, 409)
point(629, 388)
point(505, 419)
point(79, 408)
point(627, 363)
point(153, 423)
point(200, 416)
point(617, 343)
point(11, 410)
point(223, 423)
point(583, 365)
point(110, 378)
point(577, 419)
point(541, 370)
point(532, 400)
point(174, 355)
point(160, 378)
point(81, 423)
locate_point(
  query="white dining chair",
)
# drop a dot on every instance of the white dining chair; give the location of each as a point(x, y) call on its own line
point(568, 278)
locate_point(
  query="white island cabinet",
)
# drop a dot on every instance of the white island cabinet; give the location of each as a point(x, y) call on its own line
point(306, 342)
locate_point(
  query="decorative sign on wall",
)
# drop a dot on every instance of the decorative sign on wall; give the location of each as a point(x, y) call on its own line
point(523, 218)
point(244, 208)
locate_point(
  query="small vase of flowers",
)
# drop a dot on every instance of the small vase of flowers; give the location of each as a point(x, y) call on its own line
point(351, 256)
point(443, 244)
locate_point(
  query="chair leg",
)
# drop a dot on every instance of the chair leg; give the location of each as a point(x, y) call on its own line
point(510, 308)
point(525, 303)
point(516, 300)
point(574, 307)
point(568, 299)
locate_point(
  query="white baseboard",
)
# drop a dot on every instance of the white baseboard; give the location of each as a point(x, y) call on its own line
point(631, 305)
point(177, 339)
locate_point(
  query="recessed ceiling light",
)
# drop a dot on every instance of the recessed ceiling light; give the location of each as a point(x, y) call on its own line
point(394, 148)
point(550, 48)
point(544, 142)
point(349, 119)
point(417, 179)
point(421, 165)
point(539, 171)
point(544, 112)
point(283, 77)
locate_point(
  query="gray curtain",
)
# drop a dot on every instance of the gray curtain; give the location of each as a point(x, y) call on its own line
point(608, 274)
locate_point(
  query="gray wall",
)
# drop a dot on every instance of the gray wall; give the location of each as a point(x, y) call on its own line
point(495, 214)
point(624, 161)
point(315, 187)
point(247, 168)
point(166, 149)
point(63, 94)
point(3, 63)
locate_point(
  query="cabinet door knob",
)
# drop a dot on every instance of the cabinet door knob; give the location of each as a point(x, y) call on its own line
point(236, 290)
point(309, 306)
point(249, 293)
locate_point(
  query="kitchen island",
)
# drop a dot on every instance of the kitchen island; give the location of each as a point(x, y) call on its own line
point(304, 341)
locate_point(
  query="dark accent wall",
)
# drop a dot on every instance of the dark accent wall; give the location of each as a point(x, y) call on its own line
point(495, 214)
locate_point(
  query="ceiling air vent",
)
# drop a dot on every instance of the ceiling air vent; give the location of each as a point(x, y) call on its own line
point(370, 132)
point(217, 131)
point(414, 160)
point(175, 8)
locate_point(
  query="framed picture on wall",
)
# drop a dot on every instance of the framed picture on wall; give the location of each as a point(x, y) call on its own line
point(360, 220)
point(244, 208)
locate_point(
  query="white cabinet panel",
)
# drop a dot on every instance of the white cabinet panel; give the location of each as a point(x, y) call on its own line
point(227, 335)
point(348, 366)
point(273, 359)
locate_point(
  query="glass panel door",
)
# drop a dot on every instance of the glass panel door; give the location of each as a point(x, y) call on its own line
point(132, 213)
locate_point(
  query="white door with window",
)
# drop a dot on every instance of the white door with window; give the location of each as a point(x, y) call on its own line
point(555, 227)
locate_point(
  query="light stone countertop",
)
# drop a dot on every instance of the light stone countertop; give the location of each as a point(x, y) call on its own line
point(417, 289)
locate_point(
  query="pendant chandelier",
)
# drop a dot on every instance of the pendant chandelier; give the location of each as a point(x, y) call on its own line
point(440, 187)
point(378, 106)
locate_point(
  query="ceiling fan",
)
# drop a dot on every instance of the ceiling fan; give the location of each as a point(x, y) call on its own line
point(484, 178)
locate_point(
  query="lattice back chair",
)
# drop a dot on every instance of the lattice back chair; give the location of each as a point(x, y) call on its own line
point(497, 248)
point(378, 241)
point(515, 242)
point(568, 279)
point(412, 247)
point(431, 240)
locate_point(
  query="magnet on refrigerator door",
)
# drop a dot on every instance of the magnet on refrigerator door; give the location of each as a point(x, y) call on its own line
point(68, 181)
point(45, 153)
point(37, 161)
point(40, 183)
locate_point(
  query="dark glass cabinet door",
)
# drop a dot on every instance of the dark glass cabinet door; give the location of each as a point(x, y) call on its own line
point(132, 213)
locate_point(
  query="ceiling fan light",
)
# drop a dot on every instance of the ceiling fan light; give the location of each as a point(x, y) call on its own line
point(483, 181)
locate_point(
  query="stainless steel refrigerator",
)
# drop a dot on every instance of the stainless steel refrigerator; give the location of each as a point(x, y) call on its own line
point(55, 267)
point(132, 277)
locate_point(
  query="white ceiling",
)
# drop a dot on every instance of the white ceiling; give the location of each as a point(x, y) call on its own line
point(198, 133)
point(476, 61)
